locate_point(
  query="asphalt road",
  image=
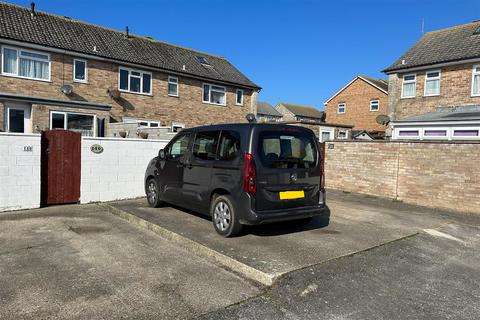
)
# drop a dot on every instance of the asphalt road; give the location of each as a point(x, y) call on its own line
point(432, 275)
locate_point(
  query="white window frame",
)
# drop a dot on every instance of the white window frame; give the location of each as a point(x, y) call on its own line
point(454, 137)
point(446, 137)
point(342, 131)
point(65, 122)
point(330, 131)
point(170, 78)
point(439, 77)
point(474, 73)
point(341, 105)
point(236, 96)
point(416, 137)
point(210, 85)
point(86, 71)
point(18, 50)
point(378, 105)
point(414, 81)
point(141, 81)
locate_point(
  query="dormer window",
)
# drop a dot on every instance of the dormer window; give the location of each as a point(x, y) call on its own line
point(477, 31)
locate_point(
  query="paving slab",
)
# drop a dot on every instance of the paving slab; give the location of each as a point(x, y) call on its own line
point(80, 262)
point(265, 253)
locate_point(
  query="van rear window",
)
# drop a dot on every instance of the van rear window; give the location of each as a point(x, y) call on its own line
point(287, 149)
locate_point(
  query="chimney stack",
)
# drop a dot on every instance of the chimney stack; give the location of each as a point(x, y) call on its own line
point(32, 6)
point(127, 34)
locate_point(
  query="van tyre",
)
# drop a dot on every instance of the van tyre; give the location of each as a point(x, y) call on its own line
point(224, 216)
point(153, 194)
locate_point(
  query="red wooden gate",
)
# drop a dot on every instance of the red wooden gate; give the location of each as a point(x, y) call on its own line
point(60, 157)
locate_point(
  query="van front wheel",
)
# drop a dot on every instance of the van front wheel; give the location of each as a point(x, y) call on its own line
point(224, 216)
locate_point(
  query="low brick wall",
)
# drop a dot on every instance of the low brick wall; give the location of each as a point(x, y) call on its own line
point(19, 171)
point(435, 174)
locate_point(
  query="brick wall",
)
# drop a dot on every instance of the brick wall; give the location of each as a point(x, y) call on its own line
point(435, 174)
point(117, 172)
point(455, 89)
point(187, 108)
point(357, 97)
point(19, 171)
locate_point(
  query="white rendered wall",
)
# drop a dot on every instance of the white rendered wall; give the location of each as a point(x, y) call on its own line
point(117, 172)
point(19, 171)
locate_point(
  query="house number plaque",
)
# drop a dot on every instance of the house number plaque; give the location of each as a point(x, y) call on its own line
point(96, 148)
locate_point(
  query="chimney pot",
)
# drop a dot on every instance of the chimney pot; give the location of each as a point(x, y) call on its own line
point(127, 34)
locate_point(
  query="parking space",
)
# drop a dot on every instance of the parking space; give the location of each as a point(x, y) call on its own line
point(79, 262)
point(264, 253)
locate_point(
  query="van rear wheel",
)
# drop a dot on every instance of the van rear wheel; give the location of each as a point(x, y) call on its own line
point(224, 216)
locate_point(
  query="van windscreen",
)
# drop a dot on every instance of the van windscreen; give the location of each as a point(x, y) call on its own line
point(287, 149)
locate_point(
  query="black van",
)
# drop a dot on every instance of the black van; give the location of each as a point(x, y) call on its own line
point(240, 174)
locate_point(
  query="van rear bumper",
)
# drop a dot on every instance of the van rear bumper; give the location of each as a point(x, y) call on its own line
point(251, 217)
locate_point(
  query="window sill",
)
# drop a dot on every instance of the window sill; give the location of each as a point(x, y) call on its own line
point(214, 104)
point(402, 98)
point(239, 104)
point(374, 110)
point(431, 95)
point(475, 95)
point(81, 82)
point(137, 93)
point(25, 78)
point(174, 95)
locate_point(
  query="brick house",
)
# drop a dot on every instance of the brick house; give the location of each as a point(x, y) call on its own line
point(294, 112)
point(267, 113)
point(434, 87)
point(58, 72)
point(358, 103)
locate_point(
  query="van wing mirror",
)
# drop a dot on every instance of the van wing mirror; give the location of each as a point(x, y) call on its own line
point(162, 154)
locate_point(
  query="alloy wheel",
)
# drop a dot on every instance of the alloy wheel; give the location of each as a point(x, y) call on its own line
point(222, 216)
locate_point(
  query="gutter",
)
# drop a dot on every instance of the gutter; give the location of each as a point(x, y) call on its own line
point(431, 66)
point(121, 62)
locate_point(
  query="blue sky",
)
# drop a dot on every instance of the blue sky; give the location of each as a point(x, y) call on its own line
point(297, 51)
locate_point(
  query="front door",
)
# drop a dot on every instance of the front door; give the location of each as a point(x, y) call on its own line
point(18, 117)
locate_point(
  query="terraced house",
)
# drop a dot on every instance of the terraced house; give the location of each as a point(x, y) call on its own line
point(434, 87)
point(57, 72)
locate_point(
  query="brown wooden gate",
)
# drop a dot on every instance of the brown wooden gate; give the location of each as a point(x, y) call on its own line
point(60, 158)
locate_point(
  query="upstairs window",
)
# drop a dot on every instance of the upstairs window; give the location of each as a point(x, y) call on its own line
point(79, 70)
point(202, 59)
point(476, 80)
point(432, 83)
point(341, 108)
point(214, 94)
point(135, 81)
point(374, 105)
point(409, 86)
point(173, 86)
point(239, 97)
point(26, 64)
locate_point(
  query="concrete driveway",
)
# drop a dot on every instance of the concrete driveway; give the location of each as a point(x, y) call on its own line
point(79, 262)
point(265, 253)
point(377, 259)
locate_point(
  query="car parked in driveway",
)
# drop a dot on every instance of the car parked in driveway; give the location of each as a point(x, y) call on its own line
point(240, 174)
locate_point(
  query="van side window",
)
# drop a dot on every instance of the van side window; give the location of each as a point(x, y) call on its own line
point(205, 145)
point(229, 145)
point(179, 147)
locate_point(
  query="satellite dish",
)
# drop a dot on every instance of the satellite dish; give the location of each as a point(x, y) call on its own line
point(66, 89)
point(382, 119)
point(113, 93)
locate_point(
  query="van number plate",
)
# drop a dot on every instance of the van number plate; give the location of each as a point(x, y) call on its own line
point(285, 195)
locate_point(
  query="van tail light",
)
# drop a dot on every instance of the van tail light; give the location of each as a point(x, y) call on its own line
point(249, 175)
